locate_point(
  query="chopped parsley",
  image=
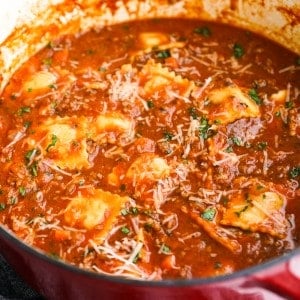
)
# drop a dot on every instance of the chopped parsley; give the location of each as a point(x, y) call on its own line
point(2, 206)
point(47, 61)
point(294, 172)
point(134, 210)
point(52, 86)
point(289, 104)
point(124, 212)
point(254, 96)
point(204, 129)
point(224, 200)
point(22, 191)
point(27, 124)
point(163, 54)
point(229, 149)
point(236, 141)
point(13, 96)
point(218, 265)
point(29, 155)
point(12, 200)
point(168, 135)
point(238, 213)
point(122, 187)
point(165, 249)
point(33, 169)
point(90, 51)
point(262, 145)
point(204, 31)
point(193, 112)
point(209, 214)
point(53, 142)
point(238, 50)
point(125, 230)
point(24, 110)
point(148, 227)
point(150, 104)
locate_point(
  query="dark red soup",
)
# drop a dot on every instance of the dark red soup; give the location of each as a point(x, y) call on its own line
point(154, 149)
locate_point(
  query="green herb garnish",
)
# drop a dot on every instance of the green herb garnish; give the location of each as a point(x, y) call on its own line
point(30, 154)
point(209, 214)
point(289, 104)
point(22, 191)
point(150, 104)
point(124, 212)
point(47, 61)
point(125, 230)
point(238, 50)
point(165, 249)
point(204, 128)
point(218, 265)
point(24, 110)
point(33, 169)
point(262, 145)
point(163, 54)
point(254, 96)
point(53, 142)
point(27, 124)
point(193, 112)
point(204, 31)
point(236, 141)
point(238, 213)
point(134, 210)
point(294, 172)
point(168, 135)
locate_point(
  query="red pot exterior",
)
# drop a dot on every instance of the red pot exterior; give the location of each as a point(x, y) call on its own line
point(55, 280)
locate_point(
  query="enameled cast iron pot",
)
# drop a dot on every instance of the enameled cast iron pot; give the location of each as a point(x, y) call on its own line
point(25, 27)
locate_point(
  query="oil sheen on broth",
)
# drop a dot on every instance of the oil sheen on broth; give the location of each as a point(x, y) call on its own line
point(154, 149)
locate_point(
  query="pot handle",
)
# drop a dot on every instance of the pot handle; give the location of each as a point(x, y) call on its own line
point(286, 281)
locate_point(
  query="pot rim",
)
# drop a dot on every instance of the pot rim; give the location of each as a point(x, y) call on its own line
point(146, 283)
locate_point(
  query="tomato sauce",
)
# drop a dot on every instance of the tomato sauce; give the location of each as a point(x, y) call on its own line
point(164, 148)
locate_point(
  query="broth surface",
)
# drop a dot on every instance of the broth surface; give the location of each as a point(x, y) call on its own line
point(154, 149)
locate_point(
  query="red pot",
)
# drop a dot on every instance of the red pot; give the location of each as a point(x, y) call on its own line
point(276, 279)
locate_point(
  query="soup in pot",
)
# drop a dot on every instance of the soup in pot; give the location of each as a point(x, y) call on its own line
point(154, 149)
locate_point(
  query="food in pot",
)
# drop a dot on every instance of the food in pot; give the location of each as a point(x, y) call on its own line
point(154, 149)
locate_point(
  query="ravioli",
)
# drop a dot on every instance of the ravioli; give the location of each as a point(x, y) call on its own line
point(260, 212)
point(229, 104)
point(63, 141)
point(157, 79)
point(96, 208)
